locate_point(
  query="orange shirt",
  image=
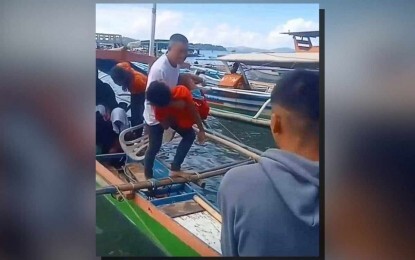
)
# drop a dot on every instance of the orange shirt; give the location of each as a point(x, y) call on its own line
point(138, 85)
point(181, 116)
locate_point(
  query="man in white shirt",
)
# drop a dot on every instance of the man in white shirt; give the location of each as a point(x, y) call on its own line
point(166, 69)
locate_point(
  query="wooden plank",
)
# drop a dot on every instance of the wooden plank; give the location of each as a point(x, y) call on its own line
point(203, 226)
point(208, 208)
point(181, 232)
point(137, 169)
point(181, 208)
point(112, 169)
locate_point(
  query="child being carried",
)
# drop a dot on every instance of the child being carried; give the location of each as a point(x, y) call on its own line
point(179, 107)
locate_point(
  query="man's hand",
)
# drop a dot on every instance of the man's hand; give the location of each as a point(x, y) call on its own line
point(201, 137)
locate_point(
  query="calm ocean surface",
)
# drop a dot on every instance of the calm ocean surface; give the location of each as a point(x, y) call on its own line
point(116, 236)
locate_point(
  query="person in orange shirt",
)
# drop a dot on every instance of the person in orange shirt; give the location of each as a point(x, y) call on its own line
point(199, 99)
point(135, 82)
point(175, 108)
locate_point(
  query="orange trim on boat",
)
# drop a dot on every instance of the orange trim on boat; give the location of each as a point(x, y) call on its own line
point(183, 234)
point(188, 238)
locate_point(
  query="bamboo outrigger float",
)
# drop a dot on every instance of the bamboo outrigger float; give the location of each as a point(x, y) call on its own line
point(183, 217)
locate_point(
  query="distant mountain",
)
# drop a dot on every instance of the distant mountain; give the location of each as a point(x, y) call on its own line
point(243, 49)
point(285, 49)
point(126, 40)
point(208, 47)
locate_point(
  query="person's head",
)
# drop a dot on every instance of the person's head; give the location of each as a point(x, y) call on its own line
point(178, 47)
point(158, 94)
point(295, 109)
point(186, 80)
point(235, 67)
point(121, 77)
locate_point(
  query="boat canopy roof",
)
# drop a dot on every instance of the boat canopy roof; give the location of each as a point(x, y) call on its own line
point(121, 54)
point(312, 34)
point(283, 60)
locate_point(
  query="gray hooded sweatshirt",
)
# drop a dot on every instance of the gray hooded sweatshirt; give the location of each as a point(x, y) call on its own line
point(271, 208)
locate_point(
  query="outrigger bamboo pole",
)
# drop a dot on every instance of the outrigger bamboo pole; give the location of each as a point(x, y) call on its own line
point(235, 146)
point(168, 181)
point(257, 121)
point(251, 149)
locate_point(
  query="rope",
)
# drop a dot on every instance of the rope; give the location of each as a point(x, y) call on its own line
point(198, 175)
point(170, 186)
point(239, 140)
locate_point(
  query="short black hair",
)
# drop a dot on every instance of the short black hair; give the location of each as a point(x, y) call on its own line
point(177, 37)
point(158, 94)
point(298, 91)
point(118, 73)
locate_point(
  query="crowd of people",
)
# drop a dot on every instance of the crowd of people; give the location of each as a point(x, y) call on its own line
point(270, 208)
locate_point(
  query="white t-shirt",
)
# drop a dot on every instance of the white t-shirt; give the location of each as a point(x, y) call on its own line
point(161, 70)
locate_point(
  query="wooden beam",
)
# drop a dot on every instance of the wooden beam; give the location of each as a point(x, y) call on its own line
point(208, 208)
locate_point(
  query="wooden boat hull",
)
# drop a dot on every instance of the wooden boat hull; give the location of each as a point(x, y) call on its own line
point(243, 102)
point(184, 222)
point(170, 233)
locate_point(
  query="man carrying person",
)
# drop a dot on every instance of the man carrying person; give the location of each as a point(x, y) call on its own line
point(166, 69)
point(271, 208)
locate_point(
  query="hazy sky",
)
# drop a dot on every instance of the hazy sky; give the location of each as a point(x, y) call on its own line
point(229, 25)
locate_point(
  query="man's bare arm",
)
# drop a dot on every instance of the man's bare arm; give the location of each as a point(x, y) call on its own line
point(196, 116)
point(196, 79)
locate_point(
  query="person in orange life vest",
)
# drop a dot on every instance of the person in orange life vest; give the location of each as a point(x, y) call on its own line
point(175, 108)
point(135, 82)
point(199, 98)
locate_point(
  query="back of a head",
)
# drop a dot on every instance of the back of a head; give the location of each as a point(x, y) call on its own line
point(158, 94)
point(186, 80)
point(118, 74)
point(298, 92)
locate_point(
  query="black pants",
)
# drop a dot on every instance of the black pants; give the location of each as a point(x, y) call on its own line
point(137, 110)
point(156, 138)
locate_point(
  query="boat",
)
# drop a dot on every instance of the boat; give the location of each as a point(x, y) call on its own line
point(177, 218)
point(182, 222)
point(193, 52)
point(252, 105)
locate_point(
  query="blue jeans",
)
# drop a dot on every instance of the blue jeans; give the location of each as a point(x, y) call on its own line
point(155, 141)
